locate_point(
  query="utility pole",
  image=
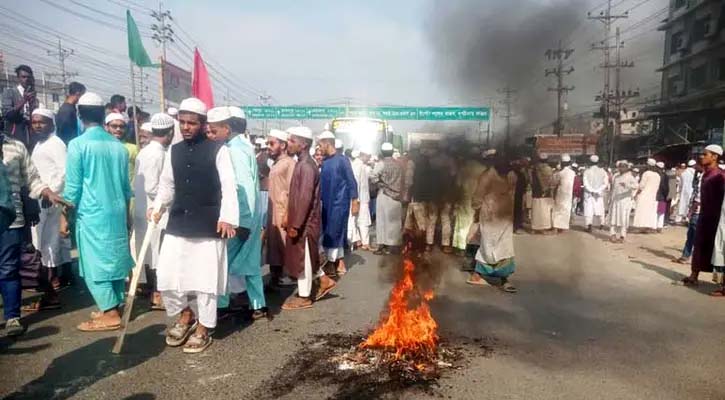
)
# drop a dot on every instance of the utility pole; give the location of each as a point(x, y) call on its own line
point(62, 54)
point(607, 19)
point(162, 33)
point(264, 99)
point(560, 54)
point(508, 100)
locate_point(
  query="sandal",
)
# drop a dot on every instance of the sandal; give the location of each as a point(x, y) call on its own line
point(718, 293)
point(96, 325)
point(41, 305)
point(477, 282)
point(687, 281)
point(680, 260)
point(322, 292)
point(197, 343)
point(297, 303)
point(508, 288)
point(178, 334)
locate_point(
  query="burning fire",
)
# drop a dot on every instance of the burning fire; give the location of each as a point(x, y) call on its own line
point(408, 329)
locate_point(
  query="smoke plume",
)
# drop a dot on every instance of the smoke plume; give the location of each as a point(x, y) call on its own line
point(483, 45)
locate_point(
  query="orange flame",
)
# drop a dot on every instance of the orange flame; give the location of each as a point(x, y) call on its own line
point(406, 330)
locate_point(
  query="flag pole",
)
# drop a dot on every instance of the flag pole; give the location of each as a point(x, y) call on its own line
point(162, 100)
point(133, 104)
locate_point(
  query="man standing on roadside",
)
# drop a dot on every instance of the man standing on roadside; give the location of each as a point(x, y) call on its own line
point(595, 181)
point(564, 182)
point(303, 224)
point(67, 119)
point(280, 176)
point(388, 176)
point(17, 105)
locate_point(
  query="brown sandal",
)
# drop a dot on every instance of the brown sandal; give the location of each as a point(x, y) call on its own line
point(41, 305)
point(322, 292)
point(297, 303)
point(95, 325)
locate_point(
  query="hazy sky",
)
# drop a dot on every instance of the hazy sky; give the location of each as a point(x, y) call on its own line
point(299, 52)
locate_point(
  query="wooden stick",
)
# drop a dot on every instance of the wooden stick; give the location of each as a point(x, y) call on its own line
point(135, 275)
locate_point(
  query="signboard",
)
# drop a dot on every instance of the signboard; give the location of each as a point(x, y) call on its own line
point(177, 83)
point(386, 113)
point(574, 145)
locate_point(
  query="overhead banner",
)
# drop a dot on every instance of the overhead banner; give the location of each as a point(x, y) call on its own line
point(386, 113)
point(177, 83)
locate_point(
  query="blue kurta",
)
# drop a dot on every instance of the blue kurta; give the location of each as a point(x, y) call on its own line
point(246, 258)
point(337, 189)
point(97, 185)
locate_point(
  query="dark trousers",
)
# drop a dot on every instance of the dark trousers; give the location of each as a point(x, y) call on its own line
point(687, 250)
point(10, 288)
point(519, 211)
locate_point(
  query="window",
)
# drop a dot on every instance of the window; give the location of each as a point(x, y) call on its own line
point(701, 28)
point(676, 42)
point(698, 76)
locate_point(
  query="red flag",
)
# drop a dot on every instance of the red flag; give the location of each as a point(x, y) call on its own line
point(200, 83)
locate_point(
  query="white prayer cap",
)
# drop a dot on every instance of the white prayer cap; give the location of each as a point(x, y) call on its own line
point(90, 99)
point(114, 116)
point(660, 165)
point(44, 112)
point(636, 170)
point(396, 154)
point(162, 121)
point(355, 153)
point(489, 153)
point(575, 165)
point(543, 156)
point(147, 126)
point(651, 162)
point(259, 141)
point(218, 114)
point(326, 135)
point(300, 131)
point(565, 158)
point(386, 147)
point(193, 105)
point(714, 148)
point(691, 163)
point(338, 144)
point(237, 112)
point(721, 166)
point(278, 134)
point(173, 111)
point(594, 158)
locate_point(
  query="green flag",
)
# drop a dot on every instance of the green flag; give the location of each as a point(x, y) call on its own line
point(136, 52)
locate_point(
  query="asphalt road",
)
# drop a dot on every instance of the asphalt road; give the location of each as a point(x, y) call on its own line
point(592, 320)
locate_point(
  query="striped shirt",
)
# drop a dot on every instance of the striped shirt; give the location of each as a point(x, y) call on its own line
point(21, 173)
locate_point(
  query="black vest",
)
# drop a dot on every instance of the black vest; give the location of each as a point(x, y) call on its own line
point(197, 189)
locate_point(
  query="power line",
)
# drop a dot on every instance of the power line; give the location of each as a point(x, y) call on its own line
point(559, 54)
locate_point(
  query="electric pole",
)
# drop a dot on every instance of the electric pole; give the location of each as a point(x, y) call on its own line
point(62, 54)
point(607, 18)
point(560, 54)
point(162, 33)
point(507, 101)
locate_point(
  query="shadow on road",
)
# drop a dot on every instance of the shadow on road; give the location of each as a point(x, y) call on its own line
point(704, 287)
point(658, 253)
point(71, 373)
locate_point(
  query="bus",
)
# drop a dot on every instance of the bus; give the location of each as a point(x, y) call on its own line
point(364, 134)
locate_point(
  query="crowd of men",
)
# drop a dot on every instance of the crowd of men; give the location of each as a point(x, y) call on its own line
point(216, 205)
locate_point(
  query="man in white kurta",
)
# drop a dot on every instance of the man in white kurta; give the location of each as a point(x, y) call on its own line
point(596, 182)
point(564, 181)
point(645, 212)
point(683, 205)
point(149, 164)
point(49, 157)
point(198, 178)
point(623, 188)
point(359, 225)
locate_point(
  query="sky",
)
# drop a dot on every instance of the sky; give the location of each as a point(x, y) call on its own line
point(312, 52)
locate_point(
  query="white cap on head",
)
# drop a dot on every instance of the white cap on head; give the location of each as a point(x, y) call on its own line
point(636, 170)
point(162, 121)
point(565, 158)
point(114, 116)
point(575, 165)
point(660, 165)
point(355, 153)
point(543, 156)
point(146, 126)
point(326, 135)
point(278, 134)
point(489, 153)
point(691, 163)
point(218, 114)
point(44, 112)
point(338, 144)
point(172, 111)
point(237, 112)
point(594, 158)
point(90, 99)
point(386, 147)
point(259, 141)
point(721, 166)
point(651, 162)
point(193, 105)
point(714, 148)
point(300, 131)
